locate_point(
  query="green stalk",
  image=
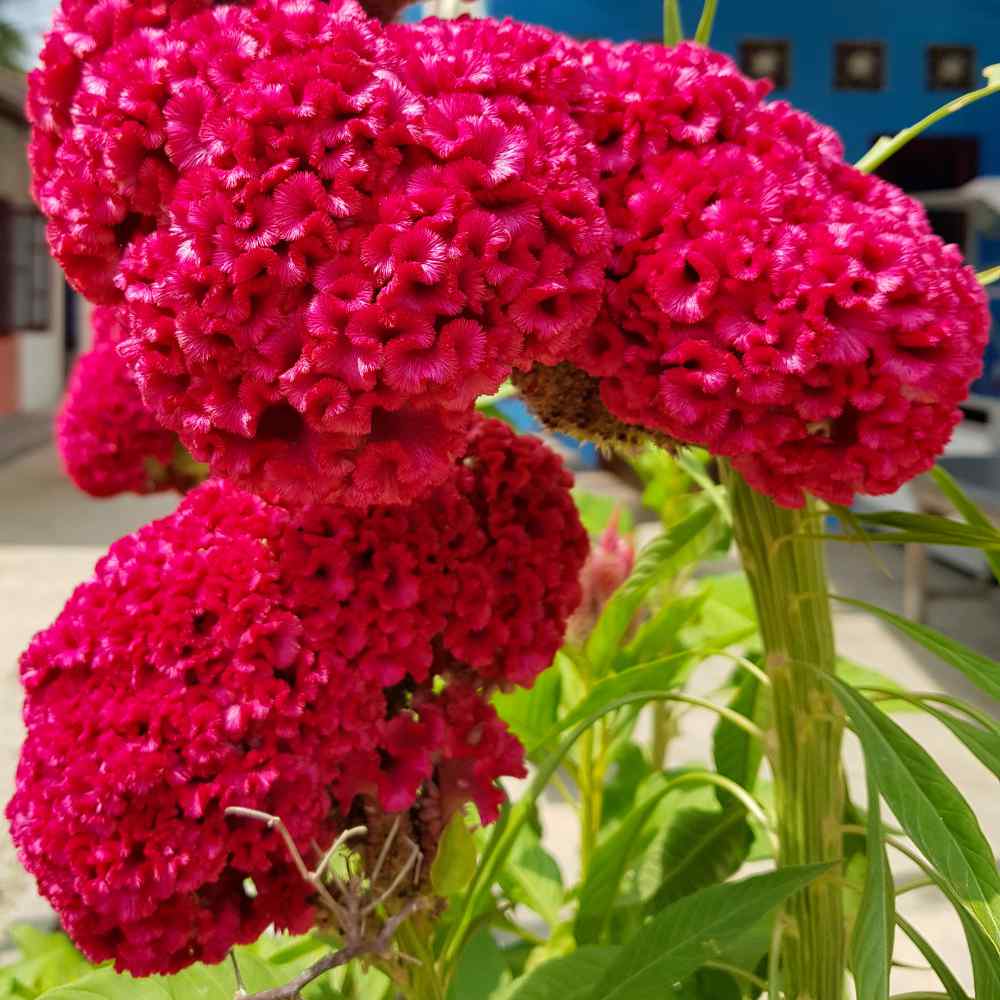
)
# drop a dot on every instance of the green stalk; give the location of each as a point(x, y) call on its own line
point(787, 574)
point(673, 29)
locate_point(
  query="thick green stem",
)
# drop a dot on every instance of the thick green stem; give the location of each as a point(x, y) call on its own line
point(787, 575)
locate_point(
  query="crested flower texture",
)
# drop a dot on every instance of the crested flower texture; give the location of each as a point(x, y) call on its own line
point(342, 247)
point(109, 442)
point(768, 301)
point(317, 665)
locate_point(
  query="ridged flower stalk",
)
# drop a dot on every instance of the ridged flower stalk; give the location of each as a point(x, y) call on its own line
point(785, 566)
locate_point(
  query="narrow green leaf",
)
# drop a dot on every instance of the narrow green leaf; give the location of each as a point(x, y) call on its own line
point(654, 564)
point(737, 755)
point(984, 744)
point(934, 960)
point(607, 869)
point(702, 847)
point(874, 930)
point(566, 978)
point(505, 830)
point(931, 529)
point(455, 861)
point(660, 634)
point(969, 510)
point(929, 808)
point(659, 675)
point(979, 669)
point(691, 931)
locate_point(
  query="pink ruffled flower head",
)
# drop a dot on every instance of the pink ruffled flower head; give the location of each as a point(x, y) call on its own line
point(100, 173)
point(237, 654)
point(350, 252)
point(109, 442)
point(768, 301)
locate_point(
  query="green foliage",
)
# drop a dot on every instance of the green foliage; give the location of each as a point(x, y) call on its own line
point(455, 861)
point(874, 929)
point(690, 932)
point(930, 809)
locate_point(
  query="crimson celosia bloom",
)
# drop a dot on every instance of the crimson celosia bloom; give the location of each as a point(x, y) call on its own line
point(109, 442)
point(96, 103)
point(341, 250)
point(314, 665)
point(768, 301)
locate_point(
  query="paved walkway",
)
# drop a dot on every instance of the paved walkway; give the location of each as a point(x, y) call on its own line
point(51, 535)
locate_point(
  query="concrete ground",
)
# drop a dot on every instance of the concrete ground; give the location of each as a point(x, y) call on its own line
point(51, 535)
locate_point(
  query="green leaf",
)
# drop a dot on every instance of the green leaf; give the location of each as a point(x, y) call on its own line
point(929, 529)
point(934, 960)
point(655, 563)
point(660, 633)
point(737, 755)
point(659, 675)
point(596, 511)
point(480, 969)
point(455, 861)
point(608, 866)
point(980, 670)
point(929, 808)
point(106, 984)
point(983, 743)
point(969, 510)
point(506, 829)
point(566, 978)
point(702, 847)
point(874, 930)
point(531, 713)
point(858, 675)
point(532, 877)
point(691, 931)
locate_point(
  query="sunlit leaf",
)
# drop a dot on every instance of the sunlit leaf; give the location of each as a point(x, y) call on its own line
point(691, 931)
point(929, 808)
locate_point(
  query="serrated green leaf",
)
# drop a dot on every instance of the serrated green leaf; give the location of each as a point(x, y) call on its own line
point(702, 847)
point(455, 861)
point(929, 807)
point(566, 978)
point(858, 675)
point(654, 564)
point(979, 669)
point(874, 929)
point(693, 930)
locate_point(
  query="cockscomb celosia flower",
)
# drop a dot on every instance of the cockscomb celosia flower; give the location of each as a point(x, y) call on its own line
point(767, 301)
point(329, 251)
point(316, 665)
point(99, 170)
point(109, 442)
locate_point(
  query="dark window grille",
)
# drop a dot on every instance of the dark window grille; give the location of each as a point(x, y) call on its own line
point(25, 270)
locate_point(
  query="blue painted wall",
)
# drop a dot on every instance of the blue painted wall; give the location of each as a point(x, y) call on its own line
point(812, 26)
